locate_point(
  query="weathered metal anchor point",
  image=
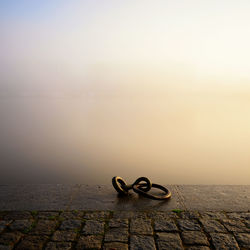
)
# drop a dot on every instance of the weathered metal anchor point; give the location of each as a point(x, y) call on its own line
point(141, 186)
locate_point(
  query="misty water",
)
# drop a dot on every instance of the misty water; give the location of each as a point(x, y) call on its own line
point(94, 89)
point(170, 136)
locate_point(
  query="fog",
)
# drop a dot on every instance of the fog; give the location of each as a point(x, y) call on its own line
point(91, 90)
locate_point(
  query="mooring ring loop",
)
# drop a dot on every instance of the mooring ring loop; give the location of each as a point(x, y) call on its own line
point(120, 185)
point(143, 186)
point(167, 195)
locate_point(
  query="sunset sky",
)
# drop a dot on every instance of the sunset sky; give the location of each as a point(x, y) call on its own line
point(133, 87)
point(61, 43)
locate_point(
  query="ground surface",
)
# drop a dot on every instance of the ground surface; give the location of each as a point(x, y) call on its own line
point(124, 230)
point(104, 197)
point(94, 217)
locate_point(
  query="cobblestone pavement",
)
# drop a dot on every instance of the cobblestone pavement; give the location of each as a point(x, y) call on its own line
point(124, 230)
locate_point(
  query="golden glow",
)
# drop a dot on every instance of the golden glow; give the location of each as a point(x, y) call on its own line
point(155, 88)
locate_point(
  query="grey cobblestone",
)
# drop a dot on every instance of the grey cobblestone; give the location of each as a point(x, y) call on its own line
point(194, 238)
point(59, 246)
point(198, 248)
point(165, 225)
point(98, 215)
point(21, 225)
point(235, 226)
point(116, 234)
point(10, 238)
point(64, 236)
point(189, 225)
point(116, 222)
point(211, 226)
point(115, 246)
point(72, 215)
point(124, 230)
point(243, 239)
point(213, 215)
point(90, 242)
point(44, 227)
point(139, 242)
point(163, 215)
point(4, 224)
point(47, 215)
point(190, 215)
point(224, 241)
point(239, 216)
point(123, 214)
point(93, 227)
point(139, 215)
point(4, 247)
point(141, 226)
point(32, 242)
point(18, 215)
point(247, 223)
point(169, 241)
point(71, 225)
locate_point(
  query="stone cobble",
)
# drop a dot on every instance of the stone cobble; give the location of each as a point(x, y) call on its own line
point(141, 226)
point(169, 241)
point(71, 225)
point(123, 230)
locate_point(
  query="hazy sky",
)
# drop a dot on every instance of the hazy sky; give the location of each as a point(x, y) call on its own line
point(164, 87)
point(63, 43)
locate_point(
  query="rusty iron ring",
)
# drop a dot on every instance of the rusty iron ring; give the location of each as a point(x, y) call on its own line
point(166, 196)
point(122, 188)
point(140, 188)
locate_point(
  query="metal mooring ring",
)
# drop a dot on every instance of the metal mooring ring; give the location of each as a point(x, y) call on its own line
point(143, 186)
point(120, 185)
point(140, 188)
point(167, 195)
point(122, 188)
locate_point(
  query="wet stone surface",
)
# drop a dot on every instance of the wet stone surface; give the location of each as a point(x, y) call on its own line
point(141, 226)
point(235, 226)
point(189, 225)
point(211, 226)
point(224, 241)
point(115, 246)
point(169, 241)
point(21, 225)
point(198, 248)
point(138, 242)
point(43, 227)
point(90, 242)
point(163, 215)
point(47, 215)
point(10, 238)
point(73, 215)
point(58, 245)
point(243, 239)
point(119, 223)
point(194, 238)
point(32, 242)
point(4, 247)
point(71, 225)
point(18, 215)
point(100, 215)
point(3, 224)
point(93, 227)
point(124, 230)
point(167, 225)
point(213, 215)
point(190, 215)
point(116, 234)
point(64, 236)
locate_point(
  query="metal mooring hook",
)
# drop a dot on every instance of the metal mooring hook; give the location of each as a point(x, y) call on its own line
point(141, 186)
